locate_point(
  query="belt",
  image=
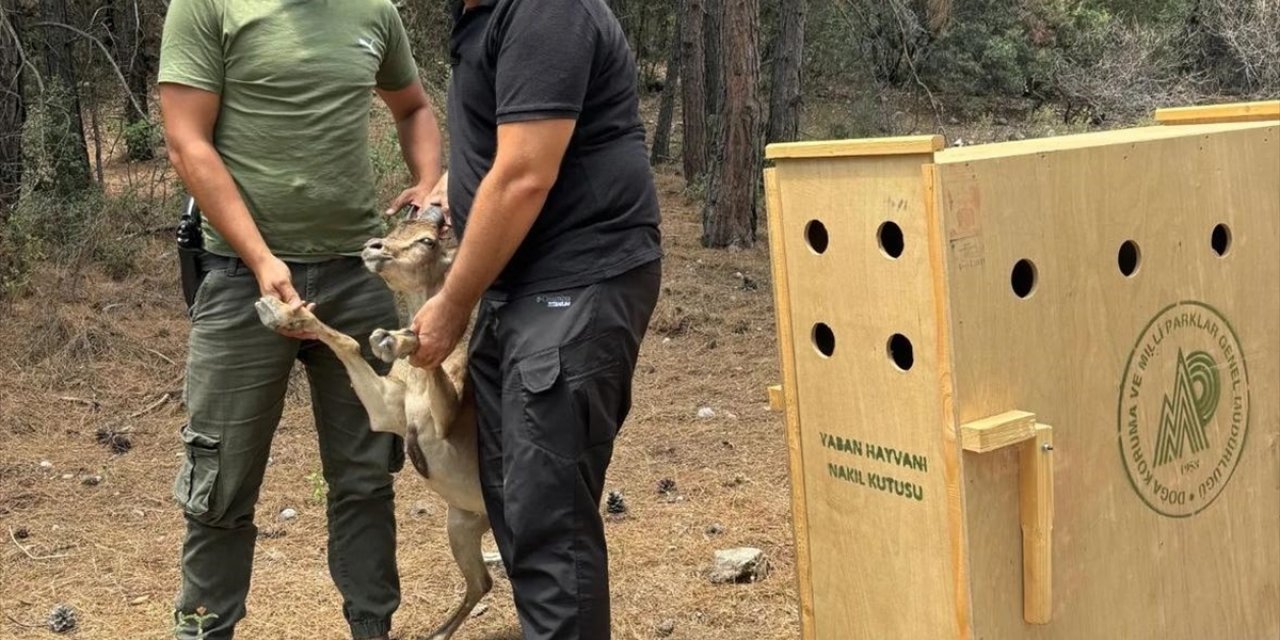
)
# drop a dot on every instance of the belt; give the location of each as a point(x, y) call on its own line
point(212, 262)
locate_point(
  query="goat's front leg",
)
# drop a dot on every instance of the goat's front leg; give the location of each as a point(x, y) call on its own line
point(382, 397)
point(442, 396)
point(390, 346)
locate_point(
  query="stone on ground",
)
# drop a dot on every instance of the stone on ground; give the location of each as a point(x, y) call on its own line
point(745, 564)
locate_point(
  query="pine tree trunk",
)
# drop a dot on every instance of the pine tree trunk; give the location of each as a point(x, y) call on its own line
point(712, 41)
point(936, 14)
point(135, 63)
point(693, 89)
point(788, 61)
point(666, 110)
point(63, 141)
point(13, 112)
point(714, 58)
point(729, 218)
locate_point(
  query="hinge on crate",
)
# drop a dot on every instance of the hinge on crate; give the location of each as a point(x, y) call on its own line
point(1035, 498)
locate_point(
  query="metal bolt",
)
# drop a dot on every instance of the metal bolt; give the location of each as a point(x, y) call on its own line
point(1047, 447)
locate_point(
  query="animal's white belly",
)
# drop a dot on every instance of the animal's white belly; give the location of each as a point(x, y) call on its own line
point(454, 473)
point(452, 464)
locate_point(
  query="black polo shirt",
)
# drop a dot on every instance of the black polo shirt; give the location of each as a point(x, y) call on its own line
point(521, 60)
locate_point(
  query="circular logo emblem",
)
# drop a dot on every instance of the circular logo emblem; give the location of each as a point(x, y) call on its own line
point(1184, 409)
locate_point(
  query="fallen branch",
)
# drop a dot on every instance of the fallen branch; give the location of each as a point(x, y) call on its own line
point(151, 407)
point(161, 356)
point(86, 401)
point(21, 623)
point(28, 551)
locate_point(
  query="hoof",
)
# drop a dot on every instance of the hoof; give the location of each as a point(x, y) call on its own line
point(390, 346)
point(278, 316)
point(271, 312)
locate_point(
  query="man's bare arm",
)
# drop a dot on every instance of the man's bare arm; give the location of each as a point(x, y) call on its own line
point(420, 141)
point(507, 204)
point(189, 118)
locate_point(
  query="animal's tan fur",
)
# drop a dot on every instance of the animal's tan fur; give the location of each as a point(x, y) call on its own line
point(432, 409)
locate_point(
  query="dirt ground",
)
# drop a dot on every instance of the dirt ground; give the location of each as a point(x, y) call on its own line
point(85, 355)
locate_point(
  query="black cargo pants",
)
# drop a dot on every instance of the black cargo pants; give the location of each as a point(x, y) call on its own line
point(552, 375)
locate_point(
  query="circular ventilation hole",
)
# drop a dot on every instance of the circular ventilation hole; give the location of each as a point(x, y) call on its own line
point(1024, 278)
point(1221, 240)
point(891, 242)
point(1129, 258)
point(824, 340)
point(815, 233)
point(901, 352)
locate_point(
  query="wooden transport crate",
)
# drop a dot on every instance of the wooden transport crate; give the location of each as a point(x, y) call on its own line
point(1032, 389)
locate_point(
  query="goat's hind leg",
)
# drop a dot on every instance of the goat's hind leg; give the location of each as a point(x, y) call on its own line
point(465, 532)
point(382, 397)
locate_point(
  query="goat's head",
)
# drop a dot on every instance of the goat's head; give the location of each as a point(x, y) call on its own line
point(414, 256)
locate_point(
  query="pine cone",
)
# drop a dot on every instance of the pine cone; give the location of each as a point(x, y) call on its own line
point(62, 619)
point(666, 486)
point(616, 504)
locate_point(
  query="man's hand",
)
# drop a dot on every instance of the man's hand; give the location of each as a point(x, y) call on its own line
point(439, 197)
point(420, 142)
point(275, 280)
point(439, 324)
point(419, 195)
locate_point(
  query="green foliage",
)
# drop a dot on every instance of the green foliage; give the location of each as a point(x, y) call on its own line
point(52, 157)
point(1001, 48)
point(141, 138)
point(1093, 60)
point(39, 227)
point(185, 621)
point(88, 227)
point(118, 259)
point(429, 25)
point(389, 171)
point(319, 487)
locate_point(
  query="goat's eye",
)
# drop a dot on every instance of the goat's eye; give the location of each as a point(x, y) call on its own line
point(428, 242)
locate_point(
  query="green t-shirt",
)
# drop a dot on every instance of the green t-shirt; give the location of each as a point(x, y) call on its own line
point(296, 80)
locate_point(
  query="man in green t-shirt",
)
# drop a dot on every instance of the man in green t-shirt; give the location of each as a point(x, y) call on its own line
point(266, 109)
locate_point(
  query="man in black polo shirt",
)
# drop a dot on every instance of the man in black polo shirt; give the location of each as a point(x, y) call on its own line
point(552, 195)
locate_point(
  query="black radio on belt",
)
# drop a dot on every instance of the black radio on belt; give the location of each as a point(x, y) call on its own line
point(190, 250)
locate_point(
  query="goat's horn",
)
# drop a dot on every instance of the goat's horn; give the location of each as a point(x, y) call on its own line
point(433, 214)
point(410, 212)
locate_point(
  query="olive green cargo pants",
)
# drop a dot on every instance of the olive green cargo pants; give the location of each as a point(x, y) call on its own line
point(237, 375)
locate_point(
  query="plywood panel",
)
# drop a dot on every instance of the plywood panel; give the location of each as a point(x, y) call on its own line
point(879, 510)
point(903, 145)
point(785, 399)
point(1233, 112)
point(1090, 345)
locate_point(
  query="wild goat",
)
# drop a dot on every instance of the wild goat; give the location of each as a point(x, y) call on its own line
point(432, 409)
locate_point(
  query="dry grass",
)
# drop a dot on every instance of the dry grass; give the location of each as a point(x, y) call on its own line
point(83, 353)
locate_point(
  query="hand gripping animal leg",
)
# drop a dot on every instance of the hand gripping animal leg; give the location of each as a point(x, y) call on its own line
point(382, 397)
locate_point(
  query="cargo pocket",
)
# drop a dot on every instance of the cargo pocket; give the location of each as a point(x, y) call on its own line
point(550, 421)
point(573, 395)
point(202, 292)
point(599, 383)
point(193, 488)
